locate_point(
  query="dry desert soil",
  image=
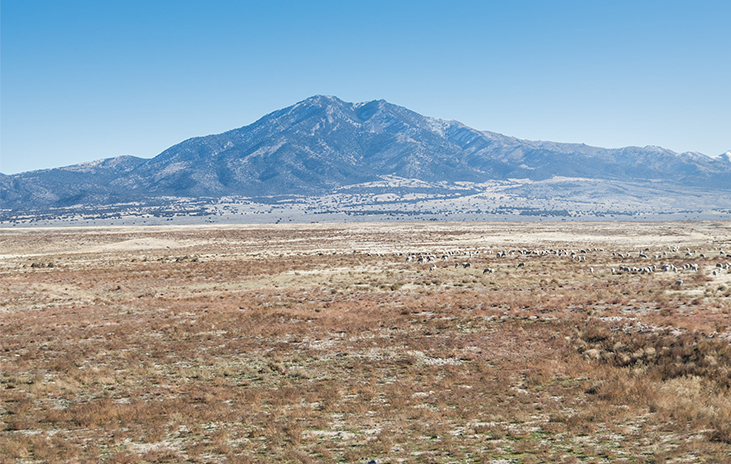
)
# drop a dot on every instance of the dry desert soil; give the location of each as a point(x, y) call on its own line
point(370, 343)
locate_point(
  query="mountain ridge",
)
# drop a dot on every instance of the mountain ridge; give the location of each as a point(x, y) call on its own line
point(323, 143)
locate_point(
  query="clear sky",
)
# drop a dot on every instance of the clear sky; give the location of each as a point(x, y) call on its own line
point(84, 80)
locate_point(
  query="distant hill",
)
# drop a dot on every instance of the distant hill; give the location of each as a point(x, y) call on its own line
point(323, 143)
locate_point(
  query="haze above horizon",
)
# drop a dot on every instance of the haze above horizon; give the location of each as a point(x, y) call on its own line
point(84, 80)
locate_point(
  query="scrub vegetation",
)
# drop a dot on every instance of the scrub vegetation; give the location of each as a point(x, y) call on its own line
point(367, 343)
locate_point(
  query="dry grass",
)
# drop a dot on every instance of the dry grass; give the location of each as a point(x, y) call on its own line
point(322, 344)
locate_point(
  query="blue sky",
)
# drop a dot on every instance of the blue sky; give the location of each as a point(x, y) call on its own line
point(84, 80)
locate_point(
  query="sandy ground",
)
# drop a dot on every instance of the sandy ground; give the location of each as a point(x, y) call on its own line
point(380, 236)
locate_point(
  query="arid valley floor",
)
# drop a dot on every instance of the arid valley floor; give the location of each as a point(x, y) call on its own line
point(559, 342)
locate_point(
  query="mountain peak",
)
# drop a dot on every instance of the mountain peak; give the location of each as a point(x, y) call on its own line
point(323, 143)
point(322, 100)
point(331, 100)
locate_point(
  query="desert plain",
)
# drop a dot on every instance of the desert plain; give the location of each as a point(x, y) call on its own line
point(367, 342)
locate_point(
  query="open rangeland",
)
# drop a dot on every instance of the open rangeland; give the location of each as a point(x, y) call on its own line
point(431, 342)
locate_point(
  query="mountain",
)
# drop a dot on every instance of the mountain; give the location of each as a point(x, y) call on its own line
point(81, 183)
point(323, 143)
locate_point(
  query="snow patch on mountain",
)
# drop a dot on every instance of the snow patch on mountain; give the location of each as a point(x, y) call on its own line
point(694, 155)
point(173, 168)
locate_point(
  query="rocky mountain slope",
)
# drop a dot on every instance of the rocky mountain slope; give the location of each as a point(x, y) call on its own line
point(323, 143)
